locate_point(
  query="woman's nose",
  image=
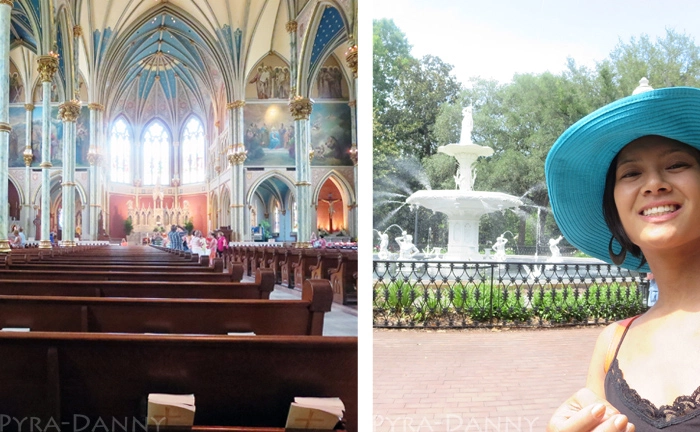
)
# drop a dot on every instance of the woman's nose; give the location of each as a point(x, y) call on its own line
point(656, 182)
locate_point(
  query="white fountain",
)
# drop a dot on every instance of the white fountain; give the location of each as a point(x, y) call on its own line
point(464, 206)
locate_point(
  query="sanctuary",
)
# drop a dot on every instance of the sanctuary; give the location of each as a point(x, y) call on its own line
point(131, 116)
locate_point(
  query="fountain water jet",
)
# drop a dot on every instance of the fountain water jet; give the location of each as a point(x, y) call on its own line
point(464, 206)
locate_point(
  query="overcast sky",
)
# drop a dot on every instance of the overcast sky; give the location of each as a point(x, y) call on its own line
point(497, 38)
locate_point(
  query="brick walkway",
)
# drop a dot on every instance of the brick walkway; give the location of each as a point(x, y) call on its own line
point(476, 380)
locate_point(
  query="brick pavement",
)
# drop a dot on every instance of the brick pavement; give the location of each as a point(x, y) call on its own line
point(476, 380)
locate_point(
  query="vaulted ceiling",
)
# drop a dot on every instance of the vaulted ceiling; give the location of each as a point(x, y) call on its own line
point(203, 48)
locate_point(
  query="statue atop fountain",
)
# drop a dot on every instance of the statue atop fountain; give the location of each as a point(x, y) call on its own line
point(464, 206)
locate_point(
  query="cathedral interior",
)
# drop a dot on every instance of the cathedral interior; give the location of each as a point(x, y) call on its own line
point(224, 114)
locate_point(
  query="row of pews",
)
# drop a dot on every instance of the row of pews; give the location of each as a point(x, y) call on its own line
point(292, 266)
point(110, 325)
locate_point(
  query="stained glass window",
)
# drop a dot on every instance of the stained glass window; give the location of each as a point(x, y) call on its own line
point(120, 152)
point(156, 155)
point(193, 152)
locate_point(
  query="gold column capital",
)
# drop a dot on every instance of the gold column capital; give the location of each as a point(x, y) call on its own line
point(353, 153)
point(7, 2)
point(95, 106)
point(28, 157)
point(5, 127)
point(69, 111)
point(48, 66)
point(46, 165)
point(29, 107)
point(77, 30)
point(291, 26)
point(235, 104)
point(351, 58)
point(352, 103)
point(301, 107)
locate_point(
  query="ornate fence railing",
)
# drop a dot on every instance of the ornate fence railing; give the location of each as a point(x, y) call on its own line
point(440, 294)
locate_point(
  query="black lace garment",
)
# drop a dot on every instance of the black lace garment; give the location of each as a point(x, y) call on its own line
point(683, 415)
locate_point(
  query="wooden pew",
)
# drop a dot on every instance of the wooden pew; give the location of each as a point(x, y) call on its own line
point(141, 275)
point(344, 279)
point(260, 289)
point(237, 381)
point(188, 316)
point(286, 269)
point(304, 259)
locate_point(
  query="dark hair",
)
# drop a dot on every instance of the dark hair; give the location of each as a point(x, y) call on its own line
point(612, 217)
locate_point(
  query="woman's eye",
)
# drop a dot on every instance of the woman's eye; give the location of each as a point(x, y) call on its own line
point(677, 165)
point(629, 174)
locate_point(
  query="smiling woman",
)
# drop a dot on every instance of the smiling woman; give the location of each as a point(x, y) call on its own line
point(639, 157)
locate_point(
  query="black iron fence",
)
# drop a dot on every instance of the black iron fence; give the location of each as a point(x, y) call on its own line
point(440, 294)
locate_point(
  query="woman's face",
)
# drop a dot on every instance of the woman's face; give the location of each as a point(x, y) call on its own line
point(657, 192)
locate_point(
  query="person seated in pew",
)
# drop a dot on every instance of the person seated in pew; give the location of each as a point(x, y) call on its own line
point(15, 240)
point(124, 242)
point(22, 238)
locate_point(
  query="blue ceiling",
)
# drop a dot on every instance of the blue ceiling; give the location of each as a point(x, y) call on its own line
point(21, 27)
point(159, 50)
point(330, 27)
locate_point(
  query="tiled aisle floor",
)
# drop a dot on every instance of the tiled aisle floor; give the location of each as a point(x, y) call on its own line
point(476, 380)
point(340, 321)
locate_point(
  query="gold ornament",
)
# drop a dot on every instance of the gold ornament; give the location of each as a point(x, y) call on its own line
point(95, 106)
point(5, 127)
point(312, 153)
point(235, 104)
point(291, 26)
point(7, 2)
point(48, 66)
point(353, 153)
point(28, 157)
point(301, 107)
point(69, 111)
point(29, 107)
point(351, 58)
point(77, 31)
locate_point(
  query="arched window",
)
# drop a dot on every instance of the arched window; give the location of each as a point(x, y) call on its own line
point(276, 219)
point(295, 217)
point(156, 155)
point(193, 152)
point(120, 151)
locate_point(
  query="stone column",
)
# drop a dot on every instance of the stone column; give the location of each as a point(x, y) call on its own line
point(300, 108)
point(69, 113)
point(94, 160)
point(352, 207)
point(236, 156)
point(28, 157)
point(48, 66)
point(5, 129)
point(291, 27)
point(351, 59)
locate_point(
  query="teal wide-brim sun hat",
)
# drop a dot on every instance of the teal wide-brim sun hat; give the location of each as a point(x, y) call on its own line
point(579, 160)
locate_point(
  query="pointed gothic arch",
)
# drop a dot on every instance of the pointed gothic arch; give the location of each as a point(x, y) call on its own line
point(307, 70)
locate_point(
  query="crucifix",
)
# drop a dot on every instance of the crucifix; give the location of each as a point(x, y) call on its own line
point(331, 211)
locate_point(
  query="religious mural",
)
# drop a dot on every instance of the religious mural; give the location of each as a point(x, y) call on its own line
point(18, 134)
point(330, 134)
point(269, 135)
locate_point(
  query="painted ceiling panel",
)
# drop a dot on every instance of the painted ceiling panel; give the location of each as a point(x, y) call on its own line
point(21, 27)
point(331, 25)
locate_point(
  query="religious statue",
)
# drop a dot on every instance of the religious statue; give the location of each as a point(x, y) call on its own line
point(331, 211)
point(467, 126)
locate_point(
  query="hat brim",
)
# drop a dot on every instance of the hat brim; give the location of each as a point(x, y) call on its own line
point(578, 162)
